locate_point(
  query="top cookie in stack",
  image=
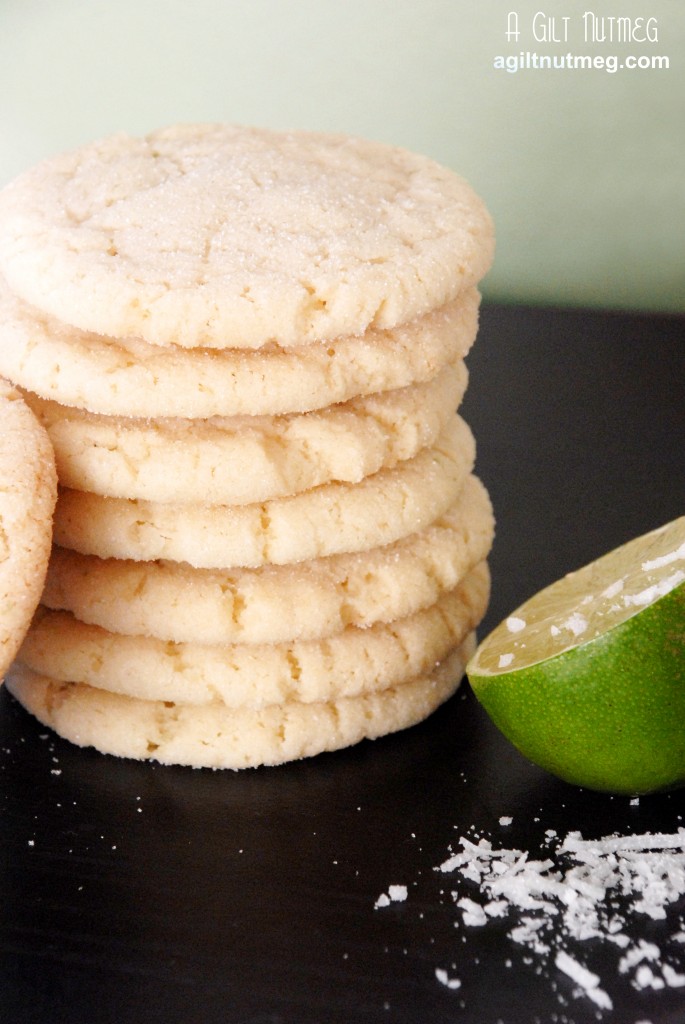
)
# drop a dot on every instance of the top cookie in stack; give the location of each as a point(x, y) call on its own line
point(247, 348)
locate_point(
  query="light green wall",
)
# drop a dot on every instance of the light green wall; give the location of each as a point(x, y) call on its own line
point(582, 170)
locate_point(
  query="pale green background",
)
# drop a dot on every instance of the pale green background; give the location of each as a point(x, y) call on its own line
point(582, 170)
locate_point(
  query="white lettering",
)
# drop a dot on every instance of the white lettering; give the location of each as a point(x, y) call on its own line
point(637, 28)
point(611, 29)
point(512, 26)
point(546, 30)
point(528, 60)
point(539, 17)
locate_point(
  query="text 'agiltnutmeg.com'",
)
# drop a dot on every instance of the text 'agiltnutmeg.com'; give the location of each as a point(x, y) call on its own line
point(595, 31)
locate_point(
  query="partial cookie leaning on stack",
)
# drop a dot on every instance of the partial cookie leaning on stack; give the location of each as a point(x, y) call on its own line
point(247, 349)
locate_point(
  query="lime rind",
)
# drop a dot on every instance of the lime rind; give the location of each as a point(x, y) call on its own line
point(607, 715)
point(605, 709)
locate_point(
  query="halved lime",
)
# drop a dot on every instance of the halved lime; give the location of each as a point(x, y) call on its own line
point(587, 678)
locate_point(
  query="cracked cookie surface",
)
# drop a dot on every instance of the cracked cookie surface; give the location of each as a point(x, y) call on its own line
point(310, 600)
point(218, 236)
point(349, 663)
point(327, 520)
point(127, 377)
point(239, 460)
point(28, 489)
point(216, 736)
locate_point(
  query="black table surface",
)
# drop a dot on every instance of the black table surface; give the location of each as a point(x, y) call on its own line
point(134, 892)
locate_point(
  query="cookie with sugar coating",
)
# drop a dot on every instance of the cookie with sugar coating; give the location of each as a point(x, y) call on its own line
point(216, 736)
point(241, 460)
point(326, 520)
point(128, 377)
point(350, 663)
point(221, 236)
point(28, 489)
point(310, 600)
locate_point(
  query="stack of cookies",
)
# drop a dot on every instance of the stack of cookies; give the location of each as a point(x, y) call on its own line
point(247, 350)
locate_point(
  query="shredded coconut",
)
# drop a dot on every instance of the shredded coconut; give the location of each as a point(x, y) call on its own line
point(587, 981)
point(445, 979)
point(586, 889)
point(650, 594)
point(395, 894)
point(576, 623)
point(515, 624)
point(613, 589)
point(659, 563)
point(672, 977)
point(570, 897)
point(473, 913)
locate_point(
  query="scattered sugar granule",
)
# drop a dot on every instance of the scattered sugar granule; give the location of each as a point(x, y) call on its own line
point(445, 979)
point(515, 624)
point(505, 660)
point(505, 820)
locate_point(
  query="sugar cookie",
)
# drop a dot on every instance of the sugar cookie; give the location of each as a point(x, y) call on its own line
point(222, 236)
point(27, 497)
point(130, 378)
point(327, 520)
point(313, 599)
point(246, 459)
point(215, 736)
point(347, 664)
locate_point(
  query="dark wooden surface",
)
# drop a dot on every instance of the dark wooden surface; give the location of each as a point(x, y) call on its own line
point(136, 893)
